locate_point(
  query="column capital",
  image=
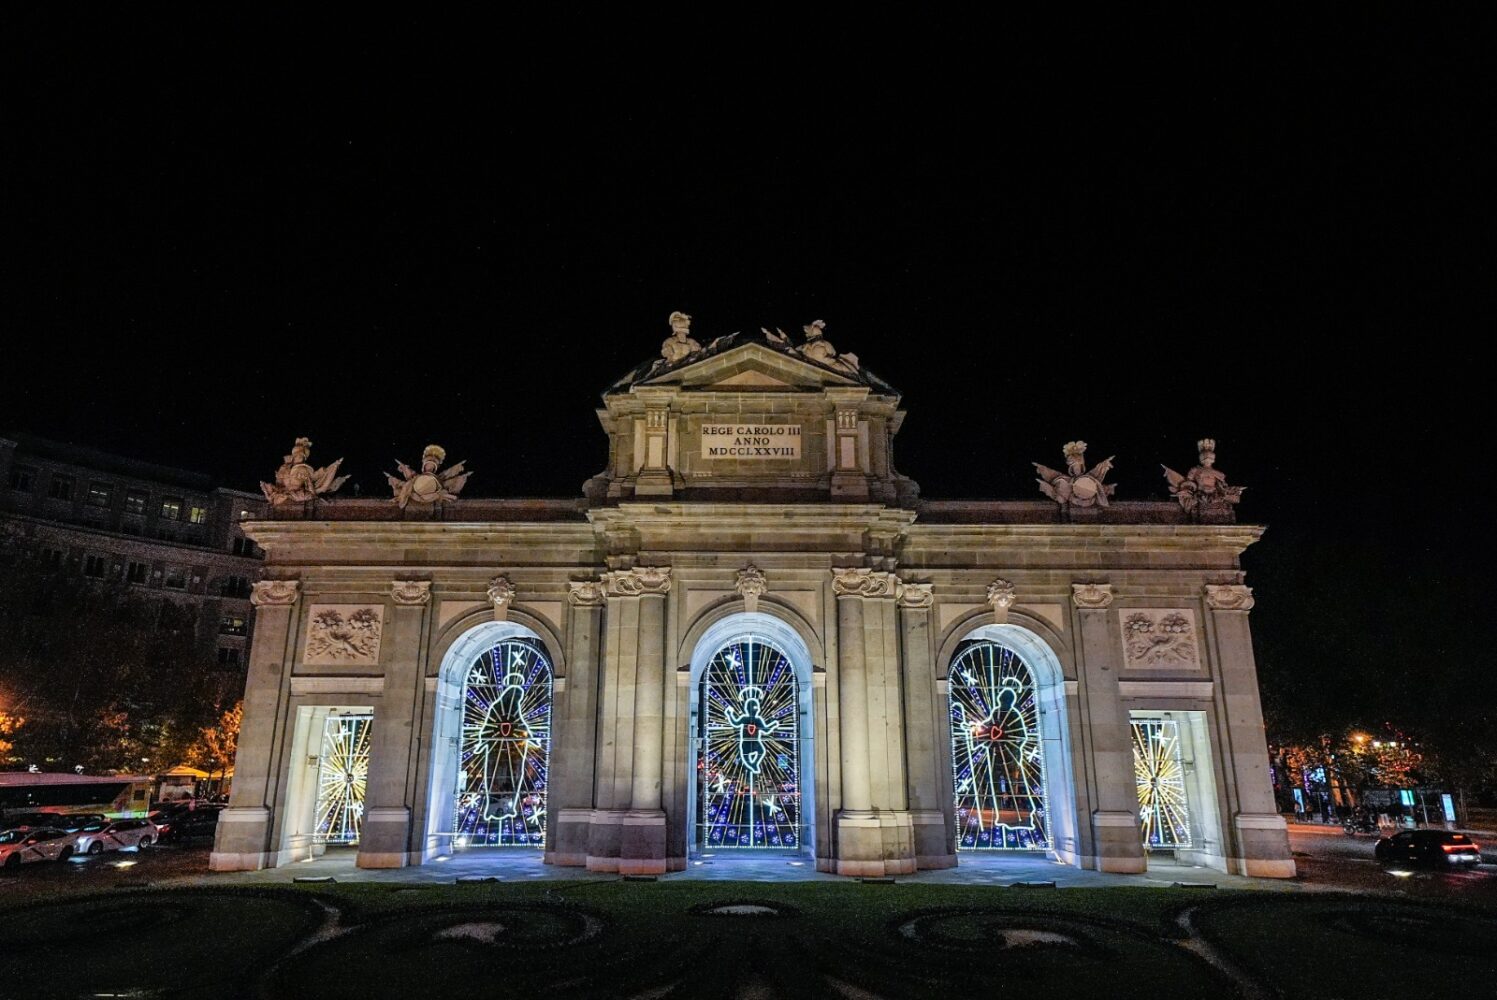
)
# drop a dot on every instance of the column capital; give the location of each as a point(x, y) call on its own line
point(638, 582)
point(915, 595)
point(275, 593)
point(1229, 597)
point(1092, 596)
point(751, 584)
point(1001, 595)
point(501, 594)
point(411, 593)
point(586, 593)
point(863, 582)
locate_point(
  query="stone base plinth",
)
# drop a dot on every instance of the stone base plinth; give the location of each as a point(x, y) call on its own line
point(604, 832)
point(242, 841)
point(874, 843)
point(934, 846)
point(385, 837)
point(1263, 841)
point(1119, 846)
point(569, 838)
point(642, 843)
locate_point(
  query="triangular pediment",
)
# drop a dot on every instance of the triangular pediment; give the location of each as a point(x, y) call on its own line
point(751, 367)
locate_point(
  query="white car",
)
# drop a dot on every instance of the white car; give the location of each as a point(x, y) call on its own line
point(19, 847)
point(96, 838)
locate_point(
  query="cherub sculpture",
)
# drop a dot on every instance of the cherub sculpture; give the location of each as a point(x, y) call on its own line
point(817, 348)
point(1203, 491)
point(679, 345)
point(297, 482)
point(429, 485)
point(1076, 487)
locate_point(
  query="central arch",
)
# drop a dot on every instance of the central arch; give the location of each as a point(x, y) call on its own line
point(751, 738)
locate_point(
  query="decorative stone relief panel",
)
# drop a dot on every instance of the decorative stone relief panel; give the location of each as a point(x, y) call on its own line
point(344, 633)
point(1160, 637)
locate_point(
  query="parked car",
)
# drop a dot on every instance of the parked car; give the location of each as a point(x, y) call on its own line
point(197, 824)
point(98, 838)
point(18, 847)
point(1429, 847)
point(28, 821)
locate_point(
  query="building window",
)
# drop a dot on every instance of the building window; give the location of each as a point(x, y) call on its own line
point(176, 578)
point(244, 547)
point(52, 558)
point(138, 571)
point(94, 566)
point(236, 586)
point(232, 625)
point(22, 477)
point(135, 503)
point(171, 509)
point(61, 488)
point(228, 656)
point(197, 515)
point(100, 495)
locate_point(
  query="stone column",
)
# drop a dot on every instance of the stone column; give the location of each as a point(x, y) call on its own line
point(655, 478)
point(859, 840)
point(642, 839)
point(1259, 842)
point(849, 481)
point(935, 841)
point(385, 840)
point(243, 841)
point(573, 744)
point(1117, 844)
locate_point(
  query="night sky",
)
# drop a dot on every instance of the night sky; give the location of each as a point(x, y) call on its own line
point(216, 249)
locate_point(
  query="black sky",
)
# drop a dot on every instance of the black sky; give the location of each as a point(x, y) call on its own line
point(217, 246)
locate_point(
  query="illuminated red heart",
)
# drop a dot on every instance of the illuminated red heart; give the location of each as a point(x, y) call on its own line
point(505, 727)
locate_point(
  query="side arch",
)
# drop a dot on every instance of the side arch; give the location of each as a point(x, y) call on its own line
point(772, 612)
point(1021, 635)
point(466, 640)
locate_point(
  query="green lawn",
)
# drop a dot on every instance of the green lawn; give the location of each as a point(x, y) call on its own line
point(601, 939)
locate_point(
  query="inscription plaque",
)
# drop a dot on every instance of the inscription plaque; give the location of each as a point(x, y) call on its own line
point(751, 441)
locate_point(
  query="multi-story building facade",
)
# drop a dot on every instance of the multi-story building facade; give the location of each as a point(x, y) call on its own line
point(171, 535)
point(749, 634)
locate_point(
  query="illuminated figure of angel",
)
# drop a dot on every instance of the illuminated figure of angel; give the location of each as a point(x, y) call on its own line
point(429, 485)
point(1076, 487)
point(751, 732)
point(503, 721)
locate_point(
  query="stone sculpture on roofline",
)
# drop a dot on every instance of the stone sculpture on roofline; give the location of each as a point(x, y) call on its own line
point(297, 482)
point(1203, 491)
point(429, 485)
point(1076, 487)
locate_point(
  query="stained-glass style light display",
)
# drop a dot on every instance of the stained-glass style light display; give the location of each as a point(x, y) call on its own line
point(342, 777)
point(748, 749)
point(997, 755)
point(1162, 808)
point(504, 749)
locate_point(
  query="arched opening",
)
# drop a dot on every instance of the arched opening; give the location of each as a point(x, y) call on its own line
point(1010, 747)
point(492, 742)
point(750, 739)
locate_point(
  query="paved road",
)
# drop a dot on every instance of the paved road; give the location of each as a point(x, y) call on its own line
point(1328, 860)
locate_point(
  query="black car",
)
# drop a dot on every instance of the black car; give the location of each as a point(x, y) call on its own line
point(200, 823)
point(1429, 847)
